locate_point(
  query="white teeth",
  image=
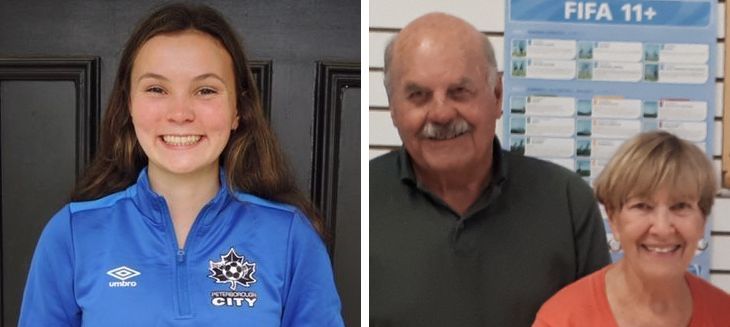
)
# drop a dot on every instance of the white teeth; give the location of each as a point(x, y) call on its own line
point(662, 249)
point(181, 139)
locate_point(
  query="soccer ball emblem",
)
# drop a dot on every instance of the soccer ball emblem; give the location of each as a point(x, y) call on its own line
point(233, 269)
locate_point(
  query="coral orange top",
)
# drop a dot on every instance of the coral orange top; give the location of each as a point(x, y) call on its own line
point(584, 303)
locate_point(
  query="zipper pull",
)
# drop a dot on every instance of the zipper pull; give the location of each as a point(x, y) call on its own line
point(180, 255)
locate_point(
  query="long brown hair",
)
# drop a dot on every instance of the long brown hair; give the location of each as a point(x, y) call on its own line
point(252, 160)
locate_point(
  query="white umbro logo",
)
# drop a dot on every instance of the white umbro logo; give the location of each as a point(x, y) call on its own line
point(122, 274)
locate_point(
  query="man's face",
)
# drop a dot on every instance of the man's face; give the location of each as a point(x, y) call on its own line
point(442, 104)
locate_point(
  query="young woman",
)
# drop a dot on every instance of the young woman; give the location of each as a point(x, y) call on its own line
point(658, 191)
point(188, 215)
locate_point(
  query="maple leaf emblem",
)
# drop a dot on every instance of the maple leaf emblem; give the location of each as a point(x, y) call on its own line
point(232, 269)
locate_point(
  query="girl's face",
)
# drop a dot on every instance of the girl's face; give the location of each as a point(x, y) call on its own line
point(183, 101)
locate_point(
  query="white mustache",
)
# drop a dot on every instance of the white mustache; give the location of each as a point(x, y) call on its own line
point(449, 130)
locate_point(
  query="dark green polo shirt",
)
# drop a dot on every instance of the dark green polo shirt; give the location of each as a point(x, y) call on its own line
point(534, 229)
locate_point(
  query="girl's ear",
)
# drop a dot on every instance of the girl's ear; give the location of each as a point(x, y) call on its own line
point(234, 125)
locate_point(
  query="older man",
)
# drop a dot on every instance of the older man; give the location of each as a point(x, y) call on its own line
point(461, 232)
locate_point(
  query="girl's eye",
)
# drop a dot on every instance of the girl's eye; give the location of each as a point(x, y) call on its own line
point(207, 91)
point(155, 89)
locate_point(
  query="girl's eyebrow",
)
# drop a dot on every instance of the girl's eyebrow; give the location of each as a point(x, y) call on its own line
point(152, 75)
point(196, 78)
point(207, 75)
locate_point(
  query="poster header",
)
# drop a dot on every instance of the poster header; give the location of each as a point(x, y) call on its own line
point(613, 12)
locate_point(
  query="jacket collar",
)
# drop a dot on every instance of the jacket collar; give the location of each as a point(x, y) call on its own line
point(154, 206)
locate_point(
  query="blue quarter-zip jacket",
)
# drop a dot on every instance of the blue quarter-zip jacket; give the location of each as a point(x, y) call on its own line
point(115, 262)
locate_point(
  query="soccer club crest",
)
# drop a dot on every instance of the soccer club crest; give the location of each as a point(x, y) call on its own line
point(233, 269)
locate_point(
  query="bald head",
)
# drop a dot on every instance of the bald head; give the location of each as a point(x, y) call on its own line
point(439, 31)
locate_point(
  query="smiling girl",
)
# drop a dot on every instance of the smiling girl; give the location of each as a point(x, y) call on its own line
point(187, 216)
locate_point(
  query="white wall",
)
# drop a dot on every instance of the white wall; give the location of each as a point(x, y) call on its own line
point(388, 16)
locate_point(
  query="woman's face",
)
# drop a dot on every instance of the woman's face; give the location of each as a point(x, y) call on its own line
point(659, 234)
point(183, 101)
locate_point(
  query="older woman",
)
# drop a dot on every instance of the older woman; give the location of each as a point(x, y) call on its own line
point(657, 191)
point(188, 215)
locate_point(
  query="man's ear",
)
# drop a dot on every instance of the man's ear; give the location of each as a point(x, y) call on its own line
point(498, 87)
point(498, 93)
point(393, 116)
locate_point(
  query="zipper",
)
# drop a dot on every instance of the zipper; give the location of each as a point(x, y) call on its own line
point(183, 296)
point(182, 292)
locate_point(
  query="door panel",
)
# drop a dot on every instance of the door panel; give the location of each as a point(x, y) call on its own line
point(336, 174)
point(48, 128)
point(347, 228)
point(38, 155)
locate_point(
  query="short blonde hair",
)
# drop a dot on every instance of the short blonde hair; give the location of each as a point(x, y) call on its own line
point(653, 160)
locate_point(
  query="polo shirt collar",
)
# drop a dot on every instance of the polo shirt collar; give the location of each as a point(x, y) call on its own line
point(499, 165)
point(490, 191)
